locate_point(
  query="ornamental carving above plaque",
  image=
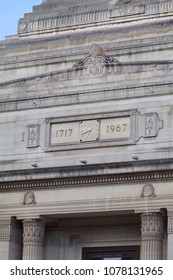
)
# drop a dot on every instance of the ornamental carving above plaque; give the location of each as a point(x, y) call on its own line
point(95, 63)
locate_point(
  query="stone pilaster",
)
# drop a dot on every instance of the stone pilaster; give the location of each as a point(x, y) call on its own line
point(33, 239)
point(170, 237)
point(152, 232)
point(10, 239)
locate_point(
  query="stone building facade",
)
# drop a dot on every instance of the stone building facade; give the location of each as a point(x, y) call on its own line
point(86, 138)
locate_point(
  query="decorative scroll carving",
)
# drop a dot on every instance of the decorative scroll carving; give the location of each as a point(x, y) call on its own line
point(29, 198)
point(148, 191)
point(95, 63)
point(33, 135)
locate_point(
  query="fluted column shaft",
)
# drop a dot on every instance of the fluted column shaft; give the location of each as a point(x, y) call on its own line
point(152, 231)
point(33, 239)
point(170, 237)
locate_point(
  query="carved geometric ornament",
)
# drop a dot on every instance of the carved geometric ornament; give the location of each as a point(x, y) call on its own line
point(33, 135)
point(152, 226)
point(33, 232)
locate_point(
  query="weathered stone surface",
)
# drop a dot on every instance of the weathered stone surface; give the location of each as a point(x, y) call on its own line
point(86, 125)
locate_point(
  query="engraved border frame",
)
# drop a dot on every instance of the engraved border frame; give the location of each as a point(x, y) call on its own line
point(87, 145)
point(37, 137)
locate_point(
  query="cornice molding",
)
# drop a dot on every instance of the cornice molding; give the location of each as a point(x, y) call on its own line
point(80, 16)
point(56, 183)
point(86, 96)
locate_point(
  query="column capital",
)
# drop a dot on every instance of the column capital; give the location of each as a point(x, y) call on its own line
point(33, 239)
point(152, 225)
point(33, 230)
point(9, 229)
point(5, 231)
point(152, 233)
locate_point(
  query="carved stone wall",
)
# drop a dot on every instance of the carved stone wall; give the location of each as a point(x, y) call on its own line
point(101, 70)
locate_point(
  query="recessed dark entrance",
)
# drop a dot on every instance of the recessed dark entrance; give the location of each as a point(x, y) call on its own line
point(111, 253)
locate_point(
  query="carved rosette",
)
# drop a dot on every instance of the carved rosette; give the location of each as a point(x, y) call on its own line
point(152, 232)
point(22, 26)
point(33, 239)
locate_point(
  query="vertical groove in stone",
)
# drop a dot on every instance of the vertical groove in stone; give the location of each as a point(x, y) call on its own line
point(33, 239)
point(152, 231)
point(170, 237)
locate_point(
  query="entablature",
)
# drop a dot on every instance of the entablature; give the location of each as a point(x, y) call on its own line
point(57, 17)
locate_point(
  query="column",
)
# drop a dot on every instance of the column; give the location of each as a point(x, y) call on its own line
point(170, 237)
point(33, 239)
point(152, 232)
point(10, 239)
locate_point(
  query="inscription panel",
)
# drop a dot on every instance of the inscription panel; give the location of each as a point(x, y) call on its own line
point(98, 131)
point(62, 133)
point(90, 131)
point(127, 10)
point(115, 128)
